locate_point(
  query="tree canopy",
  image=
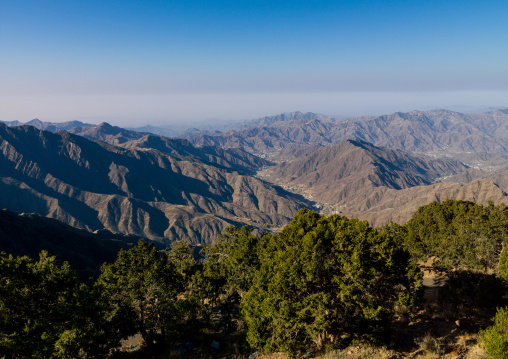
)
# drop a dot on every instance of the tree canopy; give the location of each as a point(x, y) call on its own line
point(323, 278)
point(46, 313)
point(228, 269)
point(320, 281)
point(461, 234)
point(141, 287)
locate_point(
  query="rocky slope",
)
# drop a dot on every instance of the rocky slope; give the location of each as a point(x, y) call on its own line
point(211, 128)
point(471, 174)
point(113, 135)
point(353, 168)
point(358, 179)
point(269, 138)
point(327, 160)
point(384, 204)
point(235, 158)
point(140, 191)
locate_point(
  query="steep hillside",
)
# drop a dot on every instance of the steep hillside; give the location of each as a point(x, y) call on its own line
point(269, 139)
point(358, 179)
point(113, 135)
point(235, 158)
point(28, 234)
point(499, 178)
point(211, 128)
point(383, 205)
point(137, 191)
point(281, 117)
point(351, 168)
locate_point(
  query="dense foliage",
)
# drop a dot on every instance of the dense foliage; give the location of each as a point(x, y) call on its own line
point(228, 269)
point(319, 282)
point(45, 312)
point(322, 278)
point(461, 234)
point(141, 288)
point(469, 242)
point(494, 339)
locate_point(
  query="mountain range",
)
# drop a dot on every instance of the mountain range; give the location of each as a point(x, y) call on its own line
point(334, 173)
point(258, 172)
point(479, 140)
point(139, 191)
point(358, 179)
point(234, 158)
point(49, 126)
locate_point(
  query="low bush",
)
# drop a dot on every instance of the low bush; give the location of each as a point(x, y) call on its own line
point(494, 339)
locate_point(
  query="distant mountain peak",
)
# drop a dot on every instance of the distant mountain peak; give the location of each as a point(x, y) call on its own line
point(50, 126)
point(34, 122)
point(106, 125)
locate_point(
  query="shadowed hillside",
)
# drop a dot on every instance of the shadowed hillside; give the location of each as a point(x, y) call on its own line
point(28, 234)
point(182, 149)
point(357, 179)
point(140, 191)
point(351, 168)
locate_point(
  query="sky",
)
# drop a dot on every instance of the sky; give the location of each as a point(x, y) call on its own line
point(132, 62)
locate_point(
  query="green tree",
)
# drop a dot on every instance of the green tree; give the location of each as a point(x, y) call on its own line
point(321, 278)
point(141, 287)
point(228, 269)
point(193, 314)
point(182, 256)
point(494, 339)
point(233, 258)
point(503, 262)
point(42, 305)
point(461, 234)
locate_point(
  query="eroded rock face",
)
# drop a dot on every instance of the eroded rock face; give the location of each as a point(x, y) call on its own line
point(383, 205)
point(140, 191)
point(163, 188)
point(357, 179)
point(332, 174)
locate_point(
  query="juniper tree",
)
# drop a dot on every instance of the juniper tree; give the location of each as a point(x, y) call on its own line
point(141, 287)
point(323, 278)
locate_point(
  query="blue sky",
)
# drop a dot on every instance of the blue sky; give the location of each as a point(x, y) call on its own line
point(136, 62)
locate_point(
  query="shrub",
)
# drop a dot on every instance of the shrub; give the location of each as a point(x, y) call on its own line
point(494, 339)
point(429, 344)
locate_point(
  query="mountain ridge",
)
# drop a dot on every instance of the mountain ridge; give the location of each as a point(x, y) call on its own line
point(137, 191)
point(440, 133)
point(333, 173)
point(235, 158)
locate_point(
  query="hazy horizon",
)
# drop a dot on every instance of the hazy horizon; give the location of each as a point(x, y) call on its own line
point(132, 63)
point(354, 105)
